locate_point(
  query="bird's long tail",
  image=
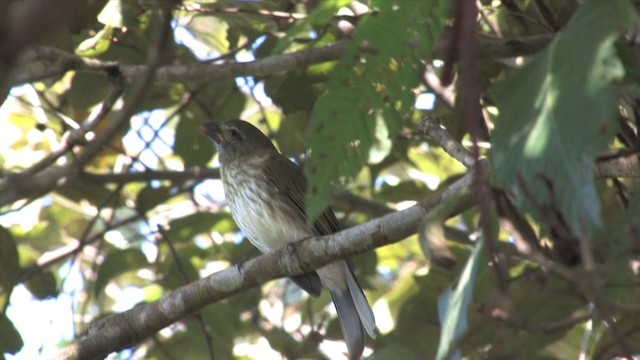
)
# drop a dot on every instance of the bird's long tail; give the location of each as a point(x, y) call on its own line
point(354, 313)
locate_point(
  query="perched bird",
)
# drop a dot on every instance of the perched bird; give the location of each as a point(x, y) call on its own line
point(265, 192)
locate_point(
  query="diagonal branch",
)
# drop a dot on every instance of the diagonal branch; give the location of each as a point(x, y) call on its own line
point(126, 329)
point(25, 185)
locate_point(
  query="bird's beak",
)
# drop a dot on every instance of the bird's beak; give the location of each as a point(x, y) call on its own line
point(212, 129)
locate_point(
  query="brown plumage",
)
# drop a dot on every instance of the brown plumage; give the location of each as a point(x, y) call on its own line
point(265, 192)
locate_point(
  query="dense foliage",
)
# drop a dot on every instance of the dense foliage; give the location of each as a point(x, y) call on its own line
point(519, 186)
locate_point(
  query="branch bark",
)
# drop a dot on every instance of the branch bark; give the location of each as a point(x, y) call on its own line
point(16, 187)
point(61, 62)
point(27, 184)
point(625, 166)
point(126, 329)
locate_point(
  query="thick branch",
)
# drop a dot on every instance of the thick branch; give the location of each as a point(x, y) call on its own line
point(276, 64)
point(16, 187)
point(199, 72)
point(124, 330)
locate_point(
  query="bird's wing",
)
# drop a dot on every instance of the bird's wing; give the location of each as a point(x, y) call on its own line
point(293, 188)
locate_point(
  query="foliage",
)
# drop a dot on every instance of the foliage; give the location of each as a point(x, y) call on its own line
point(110, 200)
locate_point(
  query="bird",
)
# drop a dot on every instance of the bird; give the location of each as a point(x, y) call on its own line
point(265, 192)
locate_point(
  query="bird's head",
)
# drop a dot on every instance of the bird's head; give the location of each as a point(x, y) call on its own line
point(236, 138)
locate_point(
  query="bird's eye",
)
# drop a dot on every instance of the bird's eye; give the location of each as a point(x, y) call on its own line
point(235, 134)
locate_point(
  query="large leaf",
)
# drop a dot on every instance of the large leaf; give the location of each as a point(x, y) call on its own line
point(9, 265)
point(375, 78)
point(558, 113)
point(10, 339)
point(453, 305)
point(42, 285)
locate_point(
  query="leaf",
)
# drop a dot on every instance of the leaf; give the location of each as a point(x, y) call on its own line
point(431, 232)
point(185, 228)
point(42, 285)
point(432, 239)
point(295, 92)
point(414, 300)
point(409, 190)
point(97, 44)
point(453, 305)
point(559, 112)
point(87, 89)
point(391, 351)
point(291, 134)
point(179, 270)
point(321, 15)
point(211, 31)
point(117, 263)
point(627, 331)
point(9, 264)
point(111, 14)
point(380, 68)
point(79, 191)
point(150, 197)
point(10, 339)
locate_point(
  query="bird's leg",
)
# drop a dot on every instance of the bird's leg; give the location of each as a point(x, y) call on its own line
point(240, 262)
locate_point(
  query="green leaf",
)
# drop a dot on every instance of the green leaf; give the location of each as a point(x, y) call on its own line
point(117, 263)
point(185, 228)
point(321, 15)
point(85, 191)
point(392, 351)
point(150, 197)
point(179, 270)
point(414, 300)
point(627, 331)
point(97, 44)
point(87, 89)
point(559, 112)
point(375, 78)
point(432, 239)
point(291, 134)
point(405, 190)
point(211, 31)
point(10, 339)
point(42, 285)
point(9, 264)
point(453, 305)
point(295, 92)
point(111, 14)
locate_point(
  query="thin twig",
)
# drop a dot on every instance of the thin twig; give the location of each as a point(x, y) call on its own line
point(430, 126)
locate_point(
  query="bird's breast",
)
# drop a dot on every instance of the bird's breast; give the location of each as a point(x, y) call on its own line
point(262, 214)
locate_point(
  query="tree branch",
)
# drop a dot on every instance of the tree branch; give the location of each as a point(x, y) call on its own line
point(16, 187)
point(123, 330)
point(624, 166)
point(26, 184)
point(276, 64)
point(194, 173)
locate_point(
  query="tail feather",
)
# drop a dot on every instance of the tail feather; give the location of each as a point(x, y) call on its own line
point(354, 311)
point(309, 282)
point(349, 321)
point(361, 304)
